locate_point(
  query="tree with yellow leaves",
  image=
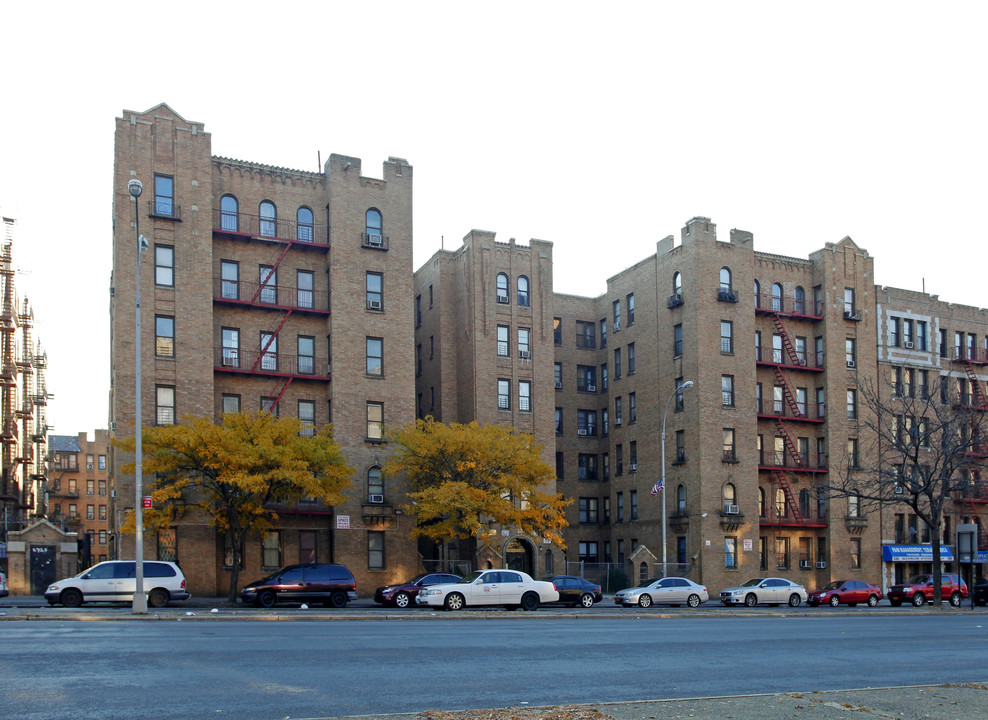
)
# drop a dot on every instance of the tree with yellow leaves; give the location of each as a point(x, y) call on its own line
point(232, 472)
point(466, 480)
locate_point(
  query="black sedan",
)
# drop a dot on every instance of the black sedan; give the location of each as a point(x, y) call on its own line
point(575, 591)
point(402, 595)
point(981, 591)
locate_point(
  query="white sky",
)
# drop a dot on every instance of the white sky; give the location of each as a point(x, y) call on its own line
point(601, 127)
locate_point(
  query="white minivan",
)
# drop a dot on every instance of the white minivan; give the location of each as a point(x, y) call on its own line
point(115, 580)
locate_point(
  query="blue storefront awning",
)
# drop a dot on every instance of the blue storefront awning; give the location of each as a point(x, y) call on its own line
point(914, 553)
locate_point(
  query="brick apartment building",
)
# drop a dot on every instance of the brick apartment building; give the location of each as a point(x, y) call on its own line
point(79, 494)
point(294, 291)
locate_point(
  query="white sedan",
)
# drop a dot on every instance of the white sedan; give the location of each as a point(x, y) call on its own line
point(664, 591)
point(768, 591)
point(509, 588)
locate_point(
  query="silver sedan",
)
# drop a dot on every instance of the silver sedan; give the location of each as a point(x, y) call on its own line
point(664, 591)
point(765, 591)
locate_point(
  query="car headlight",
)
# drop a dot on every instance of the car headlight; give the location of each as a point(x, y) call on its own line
point(429, 591)
point(52, 588)
point(249, 589)
point(385, 591)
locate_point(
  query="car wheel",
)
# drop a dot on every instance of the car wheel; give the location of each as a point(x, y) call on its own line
point(644, 600)
point(402, 600)
point(750, 600)
point(955, 599)
point(872, 600)
point(794, 600)
point(586, 600)
point(158, 598)
point(529, 602)
point(267, 599)
point(693, 600)
point(454, 601)
point(919, 600)
point(834, 601)
point(895, 603)
point(71, 598)
point(337, 599)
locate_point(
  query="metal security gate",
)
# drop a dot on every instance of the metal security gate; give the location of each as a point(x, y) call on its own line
point(42, 568)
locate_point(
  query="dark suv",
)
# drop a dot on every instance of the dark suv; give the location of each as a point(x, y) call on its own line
point(919, 590)
point(331, 585)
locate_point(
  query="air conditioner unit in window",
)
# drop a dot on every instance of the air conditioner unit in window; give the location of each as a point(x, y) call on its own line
point(502, 299)
point(374, 239)
point(731, 510)
point(559, 386)
point(581, 432)
point(591, 388)
point(229, 361)
point(374, 304)
point(89, 466)
point(329, 369)
point(524, 354)
point(633, 467)
point(805, 564)
point(850, 363)
point(821, 564)
point(377, 499)
point(908, 344)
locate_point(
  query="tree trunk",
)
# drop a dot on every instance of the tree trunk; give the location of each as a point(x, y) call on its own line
point(935, 528)
point(236, 539)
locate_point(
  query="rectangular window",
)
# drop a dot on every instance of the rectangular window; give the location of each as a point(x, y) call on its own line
point(588, 511)
point(560, 465)
point(525, 395)
point(270, 405)
point(268, 277)
point(603, 377)
point(907, 333)
point(559, 421)
point(678, 389)
point(271, 549)
point(633, 455)
point(730, 452)
point(269, 351)
point(164, 265)
point(375, 550)
point(921, 335)
point(677, 341)
point(606, 466)
point(229, 280)
point(726, 337)
point(430, 297)
point(619, 509)
point(418, 311)
point(617, 363)
point(557, 331)
point(230, 404)
point(852, 404)
point(524, 349)
point(618, 460)
point(588, 552)
point(632, 408)
point(856, 553)
point(585, 335)
point(305, 288)
point(631, 309)
point(631, 358)
point(502, 340)
point(90, 512)
point(586, 423)
point(374, 290)
point(782, 553)
point(375, 356)
point(558, 375)
point(895, 331)
point(849, 309)
point(164, 405)
point(617, 315)
point(680, 447)
point(605, 424)
point(102, 488)
point(727, 390)
point(503, 394)
point(633, 496)
point(90, 484)
point(164, 336)
point(375, 421)
point(231, 347)
point(305, 346)
point(849, 354)
point(852, 453)
point(618, 411)
point(730, 552)
point(307, 417)
point(763, 553)
point(164, 195)
point(586, 378)
point(603, 332)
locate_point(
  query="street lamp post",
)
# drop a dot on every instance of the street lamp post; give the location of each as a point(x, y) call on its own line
point(679, 389)
point(140, 606)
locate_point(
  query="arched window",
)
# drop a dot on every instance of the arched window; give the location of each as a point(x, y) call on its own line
point(730, 498)
point(725, 279)
point(681, 500)
point(373, 228)
point(777, 297)
point(761, 502)
point(269, 219)
point(677, 283)
point(375, 485)
point(502, 288)
point(229, 213)
point(758, 294)
point(799, 303)
point(303, 225)
point(523, 291)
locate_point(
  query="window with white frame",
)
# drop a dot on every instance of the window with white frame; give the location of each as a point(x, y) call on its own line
point(525, 395)
point(164, 265)
point(164, 404)
point(502, 340)
point(503, 394)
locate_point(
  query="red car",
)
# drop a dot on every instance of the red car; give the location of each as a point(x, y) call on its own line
point(846, 592)
point(919, 590)
point(402, 595)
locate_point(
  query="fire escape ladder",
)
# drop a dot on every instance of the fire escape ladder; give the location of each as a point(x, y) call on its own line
point(977, 395)
point(783, 481)
point(787, 343)
point(261, 286)
point(277, 399)
point(271, 340)
point(787, 393)
point(790, 445)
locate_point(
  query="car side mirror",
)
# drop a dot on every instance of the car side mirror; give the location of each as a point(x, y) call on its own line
point(86, 576)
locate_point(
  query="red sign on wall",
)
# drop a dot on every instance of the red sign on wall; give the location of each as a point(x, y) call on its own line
point(147, 502)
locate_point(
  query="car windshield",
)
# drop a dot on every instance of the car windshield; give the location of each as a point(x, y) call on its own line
point(648, 582)
point(470, 578)
point(833, 586)
point(920, 579)
point(274, 575)
point(752, 582)
point(417, 578)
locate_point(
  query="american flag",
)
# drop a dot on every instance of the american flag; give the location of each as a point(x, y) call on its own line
point(657, 487)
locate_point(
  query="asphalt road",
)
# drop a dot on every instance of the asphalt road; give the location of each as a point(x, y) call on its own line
point(191, 668)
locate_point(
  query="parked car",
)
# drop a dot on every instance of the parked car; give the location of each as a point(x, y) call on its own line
point(980, 591)
point(510, 588)
point(116, 580)
point(766, 591)
point(663, 591)
point(919, 590)
point(847, 592)
point(326, 583)
point(3, 585)
point(575, 590)
point(403, 594)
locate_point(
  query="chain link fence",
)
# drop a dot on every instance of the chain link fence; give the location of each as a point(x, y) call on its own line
point(616, 576)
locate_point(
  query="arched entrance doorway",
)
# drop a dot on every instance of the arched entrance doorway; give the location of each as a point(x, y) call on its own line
point(518, 555)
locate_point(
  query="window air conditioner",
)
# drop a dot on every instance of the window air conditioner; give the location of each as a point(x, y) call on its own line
point(850, 363)
point(591, 388)
point(374, 304)
point(908, 344)
point(559, 386)
point(581, 432)
point(502, 299)
point(821, 564)
point(89, 466)
point(229, 361)
point(805, 564)
point(377, 499)
point(524, 354)
point(374, 239)
point(633, 467)
point(731, 510)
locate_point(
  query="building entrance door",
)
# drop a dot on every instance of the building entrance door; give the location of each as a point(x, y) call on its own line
point(42, 568)
point(518, 556)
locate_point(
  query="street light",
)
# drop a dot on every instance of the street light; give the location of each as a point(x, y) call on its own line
point(662, 482)
point(140, 606)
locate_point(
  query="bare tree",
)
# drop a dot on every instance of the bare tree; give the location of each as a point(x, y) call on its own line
point(918, 447)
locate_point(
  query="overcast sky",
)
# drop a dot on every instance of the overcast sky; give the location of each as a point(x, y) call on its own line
point(601, 127)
